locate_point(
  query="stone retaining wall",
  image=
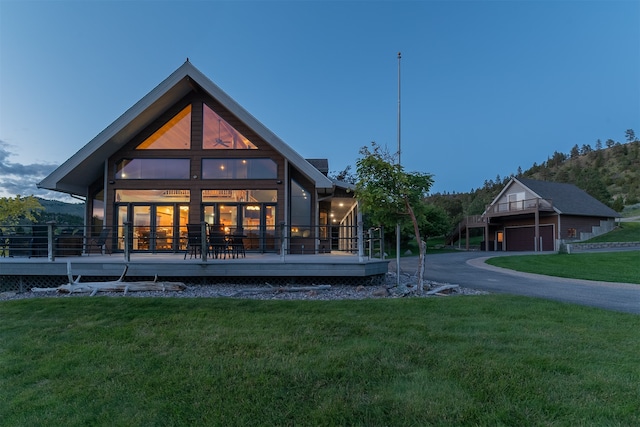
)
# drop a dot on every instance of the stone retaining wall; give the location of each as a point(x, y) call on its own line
point(577, 247)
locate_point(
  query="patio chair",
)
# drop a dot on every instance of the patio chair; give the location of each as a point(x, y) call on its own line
point(218, 243)
point(236, 243)
point(194, 240)
point(39, 241)
point(99, 242)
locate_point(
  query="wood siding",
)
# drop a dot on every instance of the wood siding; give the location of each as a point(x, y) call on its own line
point(582, 224)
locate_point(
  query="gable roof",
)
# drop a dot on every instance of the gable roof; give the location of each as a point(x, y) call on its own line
point(567, 199)
point(321, 164)
point(88, 164)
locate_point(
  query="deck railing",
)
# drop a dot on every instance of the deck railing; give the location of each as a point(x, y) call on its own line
point(521, 206)
point(51, 240)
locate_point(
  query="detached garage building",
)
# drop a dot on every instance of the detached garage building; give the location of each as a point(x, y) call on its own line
point(530, 215)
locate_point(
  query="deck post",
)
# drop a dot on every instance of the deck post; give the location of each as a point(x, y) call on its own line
point(466, 231)
point(282, 242)
point(486, 236)
point(204, 243)
point(360, 237)
point(127, 241)
point(50, 242)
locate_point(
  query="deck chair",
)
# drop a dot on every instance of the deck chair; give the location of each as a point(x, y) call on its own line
point(194, 240)
point(99, 242)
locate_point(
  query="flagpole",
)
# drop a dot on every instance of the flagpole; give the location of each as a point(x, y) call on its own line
point(398, 224)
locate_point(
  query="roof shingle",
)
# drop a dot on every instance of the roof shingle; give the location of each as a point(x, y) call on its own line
point(569, 199)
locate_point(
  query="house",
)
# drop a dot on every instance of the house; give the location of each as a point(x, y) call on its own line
point(187, 153)
point(531, 215)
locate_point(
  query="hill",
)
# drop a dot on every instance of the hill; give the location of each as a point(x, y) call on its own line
point(61, 212)
point(611, 174)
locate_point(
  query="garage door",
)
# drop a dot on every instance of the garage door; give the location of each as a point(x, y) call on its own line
point(522, 238)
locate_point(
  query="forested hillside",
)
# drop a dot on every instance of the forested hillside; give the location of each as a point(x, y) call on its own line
point(610, 172)
point(61, 212)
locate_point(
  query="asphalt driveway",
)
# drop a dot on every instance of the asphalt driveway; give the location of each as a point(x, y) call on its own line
point(469, 270)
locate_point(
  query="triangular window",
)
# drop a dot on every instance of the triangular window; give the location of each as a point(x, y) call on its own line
point(220, 135)
point(173, 135)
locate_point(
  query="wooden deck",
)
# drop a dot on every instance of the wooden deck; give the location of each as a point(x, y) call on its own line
point(38, 271)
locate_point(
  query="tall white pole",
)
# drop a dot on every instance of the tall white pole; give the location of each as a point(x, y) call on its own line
point(398, 224)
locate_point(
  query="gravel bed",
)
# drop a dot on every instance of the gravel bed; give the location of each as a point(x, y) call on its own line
point(267, 292)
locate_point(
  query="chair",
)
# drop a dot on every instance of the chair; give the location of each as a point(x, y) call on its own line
point(194, 240)
point(218, 245)
point(99, 242)
point(236, 243)
point(39, 241)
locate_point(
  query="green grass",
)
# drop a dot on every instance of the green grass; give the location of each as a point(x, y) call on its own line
point(626, 232)
point(604, 266)
point(473, 360)
point(631, 211)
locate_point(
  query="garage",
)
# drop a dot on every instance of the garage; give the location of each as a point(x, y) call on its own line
point(522, 238)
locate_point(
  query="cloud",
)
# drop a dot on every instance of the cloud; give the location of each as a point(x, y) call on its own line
point(16, 178)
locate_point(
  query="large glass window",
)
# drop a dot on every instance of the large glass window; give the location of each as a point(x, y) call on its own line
point(152, 196)
point(220, 135)
point(239, 169)
point(173, 135)
point(300, 210)
point(153, 169)
point(259, 196)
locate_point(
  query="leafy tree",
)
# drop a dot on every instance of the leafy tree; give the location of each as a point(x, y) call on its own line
point(435, 221)
point(452, 204)
point(344, 175)
point(14, 209)
point(388, 194)
point(610, 143)
point(618, 204)
point(598, 145)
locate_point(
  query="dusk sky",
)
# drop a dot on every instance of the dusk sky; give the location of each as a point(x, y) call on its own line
point(486, 86)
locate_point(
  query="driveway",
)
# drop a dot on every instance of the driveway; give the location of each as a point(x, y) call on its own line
point(469, 270)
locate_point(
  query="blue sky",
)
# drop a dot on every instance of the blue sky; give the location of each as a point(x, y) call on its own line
point(486, 86)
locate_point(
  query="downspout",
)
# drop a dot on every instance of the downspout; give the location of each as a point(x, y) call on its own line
point(536, 243)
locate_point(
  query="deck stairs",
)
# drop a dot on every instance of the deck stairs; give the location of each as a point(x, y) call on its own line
point(473, 221)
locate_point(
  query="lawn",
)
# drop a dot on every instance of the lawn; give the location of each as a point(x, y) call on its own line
point(604, 266)
point(626, 232)
point(472, 360)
